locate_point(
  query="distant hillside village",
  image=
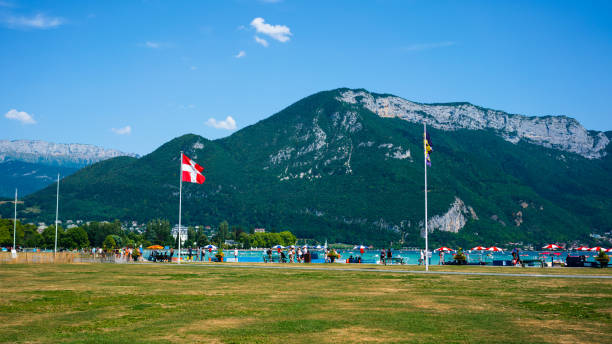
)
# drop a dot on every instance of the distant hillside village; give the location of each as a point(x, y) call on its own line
point(78, 234)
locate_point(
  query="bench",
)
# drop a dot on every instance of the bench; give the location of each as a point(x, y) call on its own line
point(394, 260)
point(531, 261)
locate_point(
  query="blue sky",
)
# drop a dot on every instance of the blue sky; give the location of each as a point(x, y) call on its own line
point(132, 75)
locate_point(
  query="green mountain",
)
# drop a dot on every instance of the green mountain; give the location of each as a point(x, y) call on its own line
point(347, 166)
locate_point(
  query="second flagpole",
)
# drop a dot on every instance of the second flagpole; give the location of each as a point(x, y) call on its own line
point(178, 233)
point(425, 163)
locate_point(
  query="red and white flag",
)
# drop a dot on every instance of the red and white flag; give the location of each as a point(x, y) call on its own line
point(191, 171)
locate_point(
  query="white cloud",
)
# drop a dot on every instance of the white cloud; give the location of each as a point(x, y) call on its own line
point(152, 45)
point(193, 67)
point(240, 55)
point(39, 21)
point(261, 41)
point(280, 33)
point(229, 123)
point(20, 116)
point(428, 46)
point(122, 131)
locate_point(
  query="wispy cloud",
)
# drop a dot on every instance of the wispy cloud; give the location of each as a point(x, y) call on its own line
point(228, 124)
point(261, 41)
point(122, 131)
point(429, 46)
point(240, 55)
point(6, 4)
point(280, 33)
point(39, 21)
point(152, 45)
point(20, 116)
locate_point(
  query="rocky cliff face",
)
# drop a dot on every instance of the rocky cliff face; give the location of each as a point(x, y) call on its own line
point(557, 132)
point(453, 220)
point(48, 153)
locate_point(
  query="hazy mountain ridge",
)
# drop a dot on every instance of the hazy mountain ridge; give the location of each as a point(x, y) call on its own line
point(559, 132)
point(56, 154)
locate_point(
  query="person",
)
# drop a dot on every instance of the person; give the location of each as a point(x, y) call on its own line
point(299, 255)
point(202, 254)
point(389, 254)
point(361, 250)
point(171, 253)
point(291, 255)
point(236, 254)
point(441, 254)
point(382, 256)
point(269, 252)
point(189, 253)
point(283, 257)
point(209, 253)
point(421, 257)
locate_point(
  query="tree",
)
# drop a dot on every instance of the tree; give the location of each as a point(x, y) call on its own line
point(223, 232)
point(159, 232)
point(109, 243)
point(75, 237)
point(49, 236)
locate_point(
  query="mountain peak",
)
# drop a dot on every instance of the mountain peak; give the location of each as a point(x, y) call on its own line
point(558, 132)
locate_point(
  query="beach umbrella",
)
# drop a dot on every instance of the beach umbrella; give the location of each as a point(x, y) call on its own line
point(211, 246)
point(155, 247)
point(494, 249)
point(319, 247)
point(596, 248)
point(443, 248)
point(583, 248)
point(292, 246)
point(359, 247)
point(479, 248)
point(278, 246)
point(551, 247)
point(609, 250)
point(305, 246)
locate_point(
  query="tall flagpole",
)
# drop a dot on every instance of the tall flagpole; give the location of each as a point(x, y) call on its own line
point(425, 163)
point(178, 235)
point(56, 215)
point(15, 225)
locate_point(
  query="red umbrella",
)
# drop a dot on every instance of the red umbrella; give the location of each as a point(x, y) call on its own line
point(551, 247)
point(582, 248)
point(597, 248)
point(494, 249)
point(479, 248)
point(443, 248)
point(609, 250)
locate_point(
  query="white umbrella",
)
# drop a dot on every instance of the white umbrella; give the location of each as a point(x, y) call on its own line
point(211, 246)
point(494, 249)
point(278, 246)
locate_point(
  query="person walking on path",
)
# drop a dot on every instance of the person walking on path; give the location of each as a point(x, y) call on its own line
point(382, 257)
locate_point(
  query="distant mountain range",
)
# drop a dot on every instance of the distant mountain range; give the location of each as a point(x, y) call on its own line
point(32, 165)
point(347, 165)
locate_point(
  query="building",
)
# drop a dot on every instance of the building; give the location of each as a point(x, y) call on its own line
point(183, 233)
point(259, 230)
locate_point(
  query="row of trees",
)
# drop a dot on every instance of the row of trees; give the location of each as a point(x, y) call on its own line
point(111, 235)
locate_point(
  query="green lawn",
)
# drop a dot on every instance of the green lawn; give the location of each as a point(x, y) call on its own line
point(193, 303)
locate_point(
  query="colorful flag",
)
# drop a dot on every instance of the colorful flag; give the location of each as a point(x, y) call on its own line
point(191, 171)
point(427, 146)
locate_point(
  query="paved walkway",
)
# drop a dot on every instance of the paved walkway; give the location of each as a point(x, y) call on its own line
point(314, 268)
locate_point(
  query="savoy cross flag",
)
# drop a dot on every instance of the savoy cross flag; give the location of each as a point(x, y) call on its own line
point(191, 171)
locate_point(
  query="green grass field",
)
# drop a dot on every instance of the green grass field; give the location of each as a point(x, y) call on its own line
point(194, 303)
